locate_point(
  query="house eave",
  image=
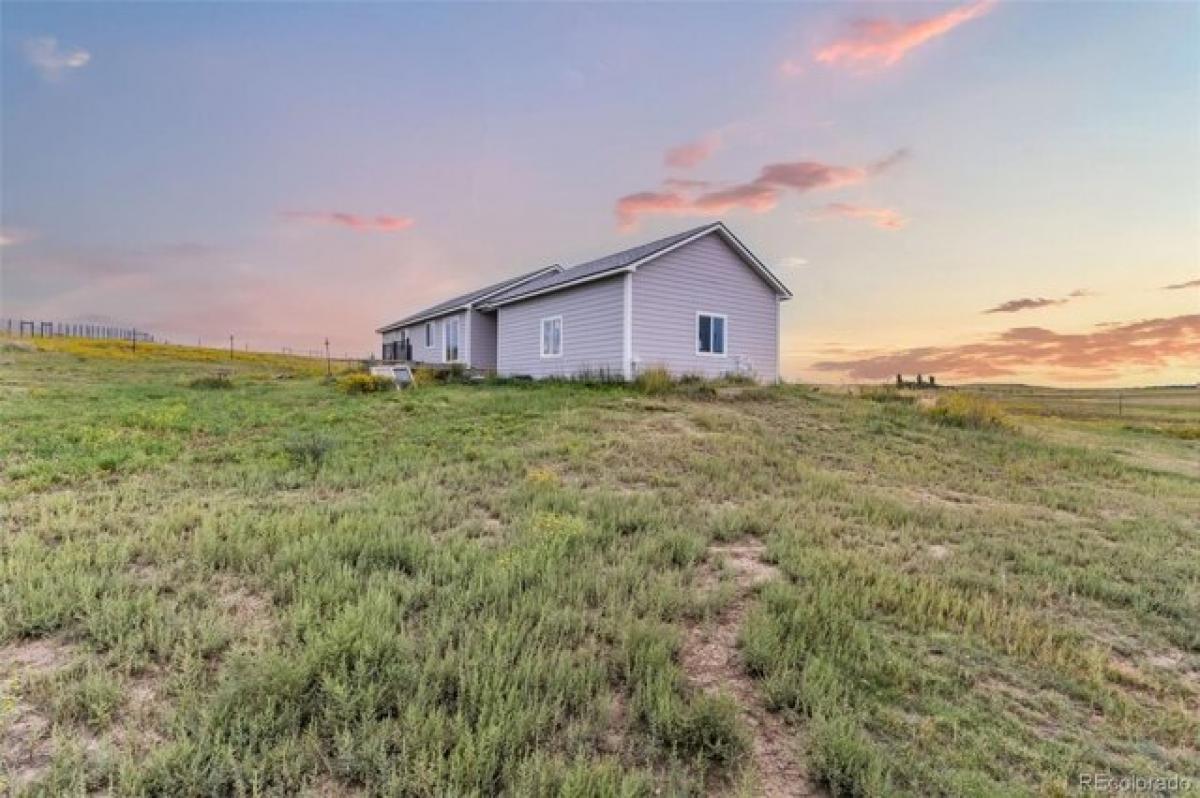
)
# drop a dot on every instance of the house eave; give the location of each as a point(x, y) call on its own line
point(561, 286)
point(424, 318)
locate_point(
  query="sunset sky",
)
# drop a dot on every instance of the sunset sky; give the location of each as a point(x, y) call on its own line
point(986, 191)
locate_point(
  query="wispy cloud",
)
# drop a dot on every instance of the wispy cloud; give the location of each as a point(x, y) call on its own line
point(53, 61)
point(885, 218)
point(1074, 356)
point(758, 195)
point(791, 68)
point(1181, 286)
point(693, 153)
point(1026, 303)
point(881, 43)
point(10, 236)
point(378, 224)
point(1033, 303)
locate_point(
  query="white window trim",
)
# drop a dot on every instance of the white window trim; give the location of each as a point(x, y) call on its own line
point(724, 338)
point(429, 335)
point(445, 339)
point(542, 337)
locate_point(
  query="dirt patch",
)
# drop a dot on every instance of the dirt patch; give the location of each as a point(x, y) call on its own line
point(34, 657)
point(712, 662)
point(746, 561)
point(329, 787)
point(937, 551)
point(672, 425)
point(612, 741)
point(250, 610)
point(26, 745)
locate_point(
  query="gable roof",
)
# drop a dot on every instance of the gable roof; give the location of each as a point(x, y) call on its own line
point(628, 260)
point(465, 301)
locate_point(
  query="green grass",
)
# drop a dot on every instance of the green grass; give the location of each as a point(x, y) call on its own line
point(474, 589)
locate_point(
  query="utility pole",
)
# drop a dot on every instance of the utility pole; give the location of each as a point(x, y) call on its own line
point(231, 347)
point(134, 339)
point(328, 367)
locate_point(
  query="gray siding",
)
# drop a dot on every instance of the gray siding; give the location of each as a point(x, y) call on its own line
point(483, 340)
point(433, 353)
point(706, 275)
point(592, 331)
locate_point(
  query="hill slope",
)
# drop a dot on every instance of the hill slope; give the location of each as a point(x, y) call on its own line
point(558, 589)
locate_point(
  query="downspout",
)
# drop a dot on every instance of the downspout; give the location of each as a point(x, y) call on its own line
point(778, 341)
point(466, 350)
point(627, 357)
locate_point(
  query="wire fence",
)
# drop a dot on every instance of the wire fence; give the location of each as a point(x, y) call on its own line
point(38, 328)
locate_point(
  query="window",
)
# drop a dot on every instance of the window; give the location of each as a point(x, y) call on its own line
point(552, 337)
point(710, 334)
point(428, 334)
point(450, 340)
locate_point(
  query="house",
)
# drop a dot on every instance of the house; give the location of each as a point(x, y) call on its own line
point(698, 302)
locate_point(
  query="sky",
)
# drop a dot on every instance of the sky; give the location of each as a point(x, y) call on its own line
point(985, 191)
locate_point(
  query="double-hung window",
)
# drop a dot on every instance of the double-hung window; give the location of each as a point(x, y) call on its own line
point(710, 334)
point(428, 334)
point(450, 340)
point(552, 337)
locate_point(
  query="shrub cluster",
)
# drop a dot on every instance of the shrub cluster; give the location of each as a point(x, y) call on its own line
point(968, 410)
point(211, 383)
point(362, 382)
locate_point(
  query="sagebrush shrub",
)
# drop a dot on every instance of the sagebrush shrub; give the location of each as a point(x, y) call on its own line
point(308, 450)
point(211, 383)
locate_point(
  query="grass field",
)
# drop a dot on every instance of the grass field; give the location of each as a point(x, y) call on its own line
point(277, 588)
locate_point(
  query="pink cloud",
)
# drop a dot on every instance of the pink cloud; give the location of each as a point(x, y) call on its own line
point(644, 203)
point(1149, 343)
point(694, 153)
point(885, 218)
point(791, 68)
point(380, 224)
point(750, 196)
point(881, 43)
point(758, 195)
point(807, 175)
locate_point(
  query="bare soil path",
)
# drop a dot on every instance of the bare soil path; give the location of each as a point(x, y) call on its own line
point(713, 663)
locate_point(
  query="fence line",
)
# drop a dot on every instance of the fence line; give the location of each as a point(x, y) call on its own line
point(37, 328)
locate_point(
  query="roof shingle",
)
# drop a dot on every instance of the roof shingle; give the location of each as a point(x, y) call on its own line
point(617, 260)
